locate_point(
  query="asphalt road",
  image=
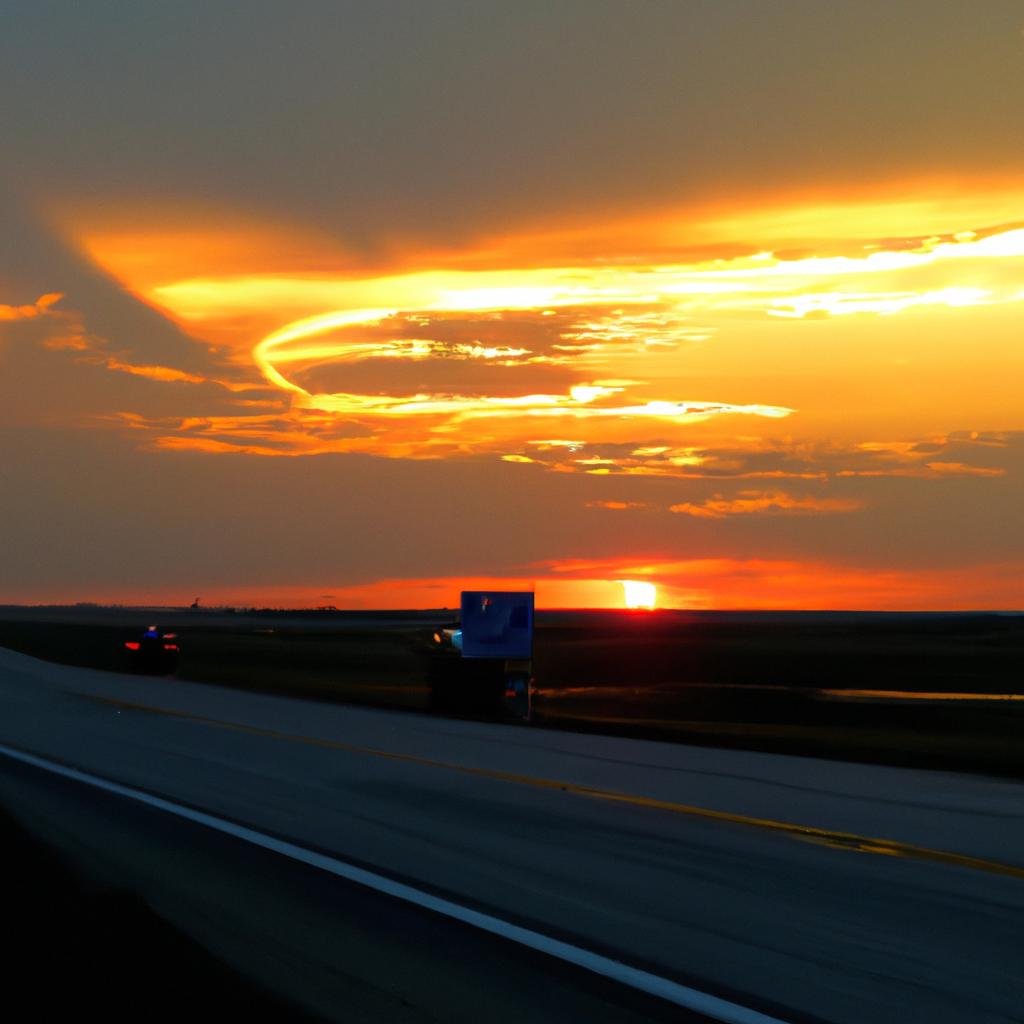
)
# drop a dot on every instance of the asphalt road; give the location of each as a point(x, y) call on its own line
point(798, 887)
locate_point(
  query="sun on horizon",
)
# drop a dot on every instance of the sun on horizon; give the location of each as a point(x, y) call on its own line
point(639, 594)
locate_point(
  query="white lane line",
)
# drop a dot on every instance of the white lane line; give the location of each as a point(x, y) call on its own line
point(643, 981)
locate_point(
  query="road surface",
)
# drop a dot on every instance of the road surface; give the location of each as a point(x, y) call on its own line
point(798, 888)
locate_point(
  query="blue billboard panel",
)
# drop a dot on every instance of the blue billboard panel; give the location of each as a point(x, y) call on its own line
point(497, 624)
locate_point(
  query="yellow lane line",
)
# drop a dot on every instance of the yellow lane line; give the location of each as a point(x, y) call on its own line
point(808, 833)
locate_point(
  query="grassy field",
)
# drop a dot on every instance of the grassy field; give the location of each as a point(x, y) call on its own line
point(933, 691)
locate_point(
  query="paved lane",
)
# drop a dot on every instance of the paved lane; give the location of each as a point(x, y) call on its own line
point(841, 932)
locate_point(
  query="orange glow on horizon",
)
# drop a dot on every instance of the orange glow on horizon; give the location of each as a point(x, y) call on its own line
point(711, 584)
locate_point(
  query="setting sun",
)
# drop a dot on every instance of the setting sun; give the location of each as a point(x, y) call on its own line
point(638, 594)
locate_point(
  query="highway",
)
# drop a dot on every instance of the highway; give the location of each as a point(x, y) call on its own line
point(791, 888)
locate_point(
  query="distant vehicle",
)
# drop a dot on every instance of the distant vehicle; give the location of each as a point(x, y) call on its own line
point(154, 652)
point(448, 638)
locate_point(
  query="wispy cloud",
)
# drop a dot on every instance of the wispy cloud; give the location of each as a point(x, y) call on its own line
point(29, 311)
point(662, 301)
point(454, 348)
point(464, 351)
point(64, 327)
point(747, 503)
point(163, 373)
point(767, 458)
point(619, 506)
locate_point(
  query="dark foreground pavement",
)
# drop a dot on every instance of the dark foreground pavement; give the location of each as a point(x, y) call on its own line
point(803, 888)
point(97, 888)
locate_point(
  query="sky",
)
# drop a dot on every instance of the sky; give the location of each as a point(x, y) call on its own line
point(363, 304)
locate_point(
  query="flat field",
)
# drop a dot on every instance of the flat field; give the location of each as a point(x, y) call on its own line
point(931, 690)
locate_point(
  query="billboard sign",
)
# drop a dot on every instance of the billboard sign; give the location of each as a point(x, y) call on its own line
point(497, 624)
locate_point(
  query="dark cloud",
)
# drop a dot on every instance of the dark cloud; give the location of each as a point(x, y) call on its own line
point(400, 120)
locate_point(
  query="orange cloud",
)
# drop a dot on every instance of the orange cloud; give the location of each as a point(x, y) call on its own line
point(440, 353)
point(163, 373)
point(146, 244)
point(65, 326)
point(757, 458)
point(316, 339)
point(32, 310)
point(931, 470)
point(617, 506)
point(760, 502)
point(931, 269)
point(644, 308)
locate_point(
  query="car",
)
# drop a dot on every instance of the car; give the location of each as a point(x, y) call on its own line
point(154, 652)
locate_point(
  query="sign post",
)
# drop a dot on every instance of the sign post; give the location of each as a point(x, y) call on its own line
point(498, 625)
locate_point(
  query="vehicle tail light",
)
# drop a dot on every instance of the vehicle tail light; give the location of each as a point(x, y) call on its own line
point(132, 645)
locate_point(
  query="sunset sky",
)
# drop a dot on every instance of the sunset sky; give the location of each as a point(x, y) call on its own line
point(366, 303)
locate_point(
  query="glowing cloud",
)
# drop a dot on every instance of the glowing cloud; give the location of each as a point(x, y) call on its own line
point(316, 340)
point(162, 373)
point(32, 310)
point(763, 281)
point(764, 502)
point(465, 352)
